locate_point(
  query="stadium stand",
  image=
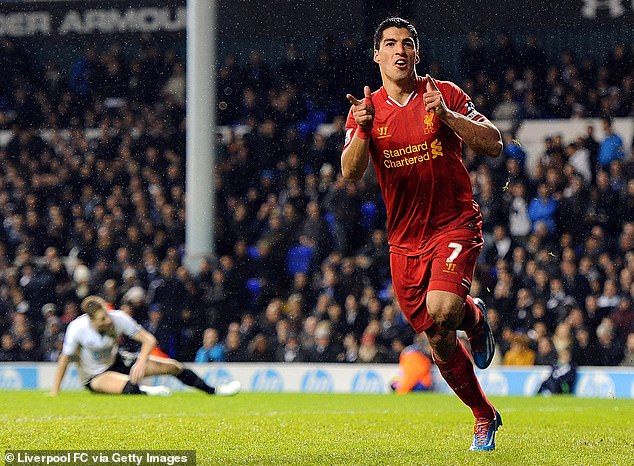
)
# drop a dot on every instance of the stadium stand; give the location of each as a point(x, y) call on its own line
point(92, 194)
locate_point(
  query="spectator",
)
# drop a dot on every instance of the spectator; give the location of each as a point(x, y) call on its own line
point(248, 327)
point(609, 299)
point(9, 351)
point(579, 158)
point(394, 351)
point(168, 292)
point(603, 204)
point(350, 348)
point(212, 350)
point(519, 220)
point(585, 351)
point(259, 349)
point(563, 377)
point(563, 337)
point(472, 56)
point(574, 205)
point(623, 317)
point(542, 209)
point(611, 148)
point(519, 354)
point(524, 311)
point(628, 360)
point(315, 228)
point(546, 353)
point(163, 332)
point(502, 245)
point(234, 352)
point(370, 351)
point(611, 353)
point(324, 350)
point(53, 334)
point(290, 351)
point(338, 326)
point(508, 109)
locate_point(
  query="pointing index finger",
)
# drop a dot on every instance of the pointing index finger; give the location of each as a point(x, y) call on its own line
point(431, 83)
point(353, 100)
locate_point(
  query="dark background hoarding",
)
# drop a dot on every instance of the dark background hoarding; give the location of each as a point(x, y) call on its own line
point(589, 27)
point(283, 18)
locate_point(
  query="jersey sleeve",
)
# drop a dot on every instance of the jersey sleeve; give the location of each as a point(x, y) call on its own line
point(460, 102)
point(71, 342)
point(125, 324)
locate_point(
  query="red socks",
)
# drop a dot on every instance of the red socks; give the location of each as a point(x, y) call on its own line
point(472, 316)
point(460, 376)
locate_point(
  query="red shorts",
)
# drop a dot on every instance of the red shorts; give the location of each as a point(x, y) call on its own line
point(446, 264)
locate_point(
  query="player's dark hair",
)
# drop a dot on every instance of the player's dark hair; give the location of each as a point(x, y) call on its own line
point(91, 304)
point(394, 23)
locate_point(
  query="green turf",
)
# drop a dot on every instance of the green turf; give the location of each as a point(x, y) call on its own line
point(289, 429)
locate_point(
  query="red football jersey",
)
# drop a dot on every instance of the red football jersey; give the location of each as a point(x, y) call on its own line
point(418, 162)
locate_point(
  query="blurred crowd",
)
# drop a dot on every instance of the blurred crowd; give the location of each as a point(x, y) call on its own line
point(92, 201)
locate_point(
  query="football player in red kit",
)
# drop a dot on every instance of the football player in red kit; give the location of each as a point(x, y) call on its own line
point(413, 129)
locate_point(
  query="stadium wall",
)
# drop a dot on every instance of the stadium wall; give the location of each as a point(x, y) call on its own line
point(592, 382)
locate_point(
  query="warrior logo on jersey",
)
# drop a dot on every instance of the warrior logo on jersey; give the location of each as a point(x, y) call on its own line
point(382, 132)
point(429, 123)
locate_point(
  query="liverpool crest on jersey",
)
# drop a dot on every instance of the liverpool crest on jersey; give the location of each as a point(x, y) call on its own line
point(429, 123)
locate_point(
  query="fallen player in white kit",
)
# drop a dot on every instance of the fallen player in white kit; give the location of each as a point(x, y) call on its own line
point(91, 340)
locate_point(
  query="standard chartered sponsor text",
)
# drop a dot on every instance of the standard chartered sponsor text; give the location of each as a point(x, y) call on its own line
point(419, 152)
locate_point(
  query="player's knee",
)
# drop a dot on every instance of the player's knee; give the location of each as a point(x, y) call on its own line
point(176, 367)
point(169, 367)
point(446, 315)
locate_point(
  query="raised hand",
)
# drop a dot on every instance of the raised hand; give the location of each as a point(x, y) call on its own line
point(137, 372)
point(433, 99)
point(363, 110)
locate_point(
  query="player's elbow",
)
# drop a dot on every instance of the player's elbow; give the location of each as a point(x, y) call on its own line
point(496, 149)
point(352, 171)
point(148, 339)
point(494, 139)
point(351, 174)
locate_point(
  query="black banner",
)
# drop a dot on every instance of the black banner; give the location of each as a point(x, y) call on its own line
point(67, 18)
point(245, 19)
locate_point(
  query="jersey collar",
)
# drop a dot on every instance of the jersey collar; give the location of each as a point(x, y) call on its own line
point(390, 101)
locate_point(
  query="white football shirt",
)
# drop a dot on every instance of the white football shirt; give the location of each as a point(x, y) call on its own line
point(96, 352)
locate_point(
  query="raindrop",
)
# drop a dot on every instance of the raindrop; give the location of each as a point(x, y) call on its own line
point(222, 105)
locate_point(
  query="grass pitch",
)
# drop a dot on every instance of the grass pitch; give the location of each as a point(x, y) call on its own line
point(303, 429)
